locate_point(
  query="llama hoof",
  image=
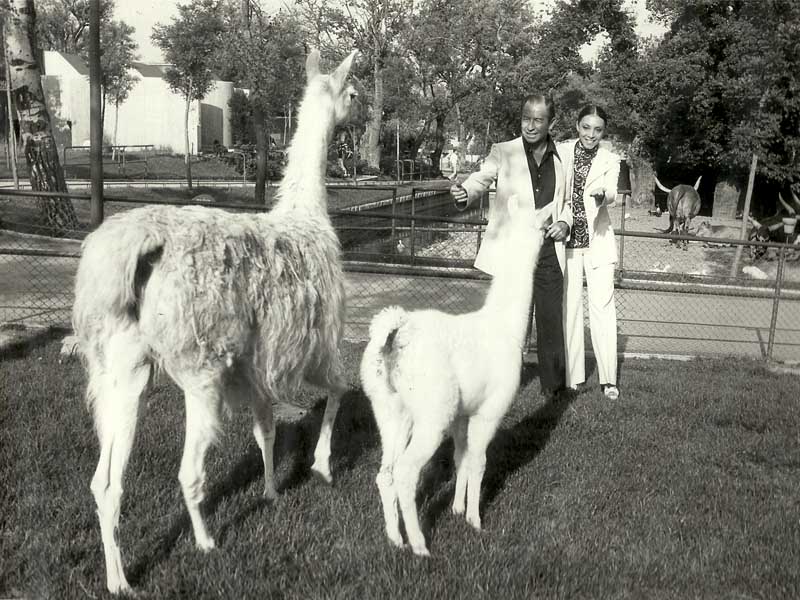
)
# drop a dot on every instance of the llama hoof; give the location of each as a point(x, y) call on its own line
point(458, 509)
point(395, 539)
point(476, 523)
point(421, 551)
point(206, 545)
point(120, 587)
point(323, 475)
point(270, 494)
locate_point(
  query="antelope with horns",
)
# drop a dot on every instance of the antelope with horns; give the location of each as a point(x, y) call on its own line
point(683, 203)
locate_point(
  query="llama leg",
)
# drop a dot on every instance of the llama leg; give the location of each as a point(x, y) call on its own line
point(264, 432)
point(116, 393)
point(394, 429)
point(385, 482)
point(481, 431)
point(460, 445)
point(424, 441)
point(336, 387)
point(202, 418)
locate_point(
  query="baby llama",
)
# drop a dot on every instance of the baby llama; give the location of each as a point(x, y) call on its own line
point(238, 309)
point(427, 372)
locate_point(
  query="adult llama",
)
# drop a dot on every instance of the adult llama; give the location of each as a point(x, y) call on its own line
point(427, 372)
point(237, 309)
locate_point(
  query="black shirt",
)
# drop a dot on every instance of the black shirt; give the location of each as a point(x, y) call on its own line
point(543, 176)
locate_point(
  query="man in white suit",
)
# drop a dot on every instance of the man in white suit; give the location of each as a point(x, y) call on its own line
point(529, 166)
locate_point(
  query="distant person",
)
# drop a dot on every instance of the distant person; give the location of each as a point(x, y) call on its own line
point(592, 174)
point(343, 151)
point(218, 149)
point(452, 163)
point(529, 166)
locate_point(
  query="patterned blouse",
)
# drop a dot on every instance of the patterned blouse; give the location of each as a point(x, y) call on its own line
point(580, 228)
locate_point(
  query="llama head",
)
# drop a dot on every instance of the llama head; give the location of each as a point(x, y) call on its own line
point(334, 87)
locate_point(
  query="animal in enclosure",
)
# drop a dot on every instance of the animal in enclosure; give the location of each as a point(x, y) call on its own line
point(427, 372)
point(683, 203)
point(779, 227)
point(238, 309)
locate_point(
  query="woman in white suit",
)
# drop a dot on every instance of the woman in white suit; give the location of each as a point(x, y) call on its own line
point(591, 183)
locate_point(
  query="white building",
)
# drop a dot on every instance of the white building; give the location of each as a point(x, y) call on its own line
point(152, 114)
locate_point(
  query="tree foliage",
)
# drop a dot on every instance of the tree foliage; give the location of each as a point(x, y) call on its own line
point(724, 84)
point(63, 25)
point(116, 60)
point(267, 59)
point(189, 45)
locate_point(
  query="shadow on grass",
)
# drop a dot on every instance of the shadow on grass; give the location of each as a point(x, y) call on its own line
point(20, 341)
point(510, 450)
point(354, 433)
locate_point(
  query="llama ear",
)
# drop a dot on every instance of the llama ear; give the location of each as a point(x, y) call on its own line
point(341, 72)
point(312, 64)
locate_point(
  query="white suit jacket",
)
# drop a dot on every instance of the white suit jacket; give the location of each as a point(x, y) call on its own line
point(508, 165)
point(604, 173)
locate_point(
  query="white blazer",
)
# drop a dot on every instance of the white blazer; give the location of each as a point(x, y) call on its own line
point(604, 173)
point(508, 165)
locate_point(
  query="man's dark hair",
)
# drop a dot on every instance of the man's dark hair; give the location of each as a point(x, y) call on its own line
point(541, 99)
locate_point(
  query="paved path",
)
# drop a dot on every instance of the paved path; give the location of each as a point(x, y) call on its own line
point(649, 322)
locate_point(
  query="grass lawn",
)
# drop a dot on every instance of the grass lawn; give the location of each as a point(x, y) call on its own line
point(22, 213)
point(688, 486)
point(158, 167)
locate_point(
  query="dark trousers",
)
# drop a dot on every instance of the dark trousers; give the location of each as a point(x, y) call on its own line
point(548, 293)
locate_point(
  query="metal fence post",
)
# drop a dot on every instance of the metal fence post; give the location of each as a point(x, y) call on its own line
point(622, 238)
point(394, 221)
point(412, 242)
point(480, 214)
point(776, 301)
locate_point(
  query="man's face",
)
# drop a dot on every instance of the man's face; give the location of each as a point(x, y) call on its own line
point(535, 122)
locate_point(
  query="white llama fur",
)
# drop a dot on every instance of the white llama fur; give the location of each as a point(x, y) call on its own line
point(238, 309)
point(427, 372)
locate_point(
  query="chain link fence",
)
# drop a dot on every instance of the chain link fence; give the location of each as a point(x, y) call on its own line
point(718, 296)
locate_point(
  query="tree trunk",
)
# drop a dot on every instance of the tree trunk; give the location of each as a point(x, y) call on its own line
point(642, 182)
point(36, 131)
point(12, 137)
point(116, 124)
point(259, 125)
point(372, 147)
point(438, 137)
point(188, 157)
point(727, 195)
point(462, 142)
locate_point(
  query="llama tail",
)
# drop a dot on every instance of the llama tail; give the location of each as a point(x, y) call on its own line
point(380, 355)
point(116, 261)
point(384, 327)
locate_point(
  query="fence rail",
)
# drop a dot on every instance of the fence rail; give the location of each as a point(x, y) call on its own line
point(669, 301)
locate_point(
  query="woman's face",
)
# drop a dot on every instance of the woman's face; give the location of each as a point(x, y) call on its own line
point(591, 130)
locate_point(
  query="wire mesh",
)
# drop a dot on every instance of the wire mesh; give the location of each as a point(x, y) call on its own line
point(416, 250)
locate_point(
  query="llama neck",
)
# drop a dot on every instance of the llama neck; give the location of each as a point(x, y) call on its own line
point(303, 184)
point(509, 300)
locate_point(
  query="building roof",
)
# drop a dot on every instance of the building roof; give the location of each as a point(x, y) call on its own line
point(76, 62)
point(148, 70)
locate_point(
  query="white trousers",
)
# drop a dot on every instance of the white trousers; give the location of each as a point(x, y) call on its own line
point(602, 318)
